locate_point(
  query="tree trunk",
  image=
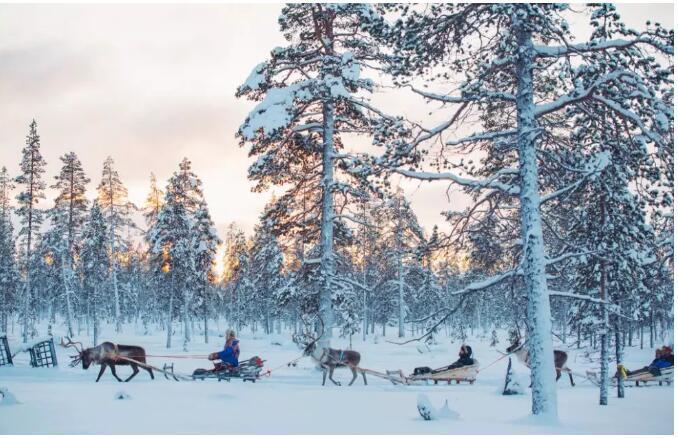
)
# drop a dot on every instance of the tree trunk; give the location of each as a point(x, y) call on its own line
point(651, 329)
point(604, 383)
point(539, 343)
point(185, 317)
point(401, 280)
point(66, 275)
point(327, 225)
point(169, 313)
point(619, 356)
point(204, 320)
point(95, 317)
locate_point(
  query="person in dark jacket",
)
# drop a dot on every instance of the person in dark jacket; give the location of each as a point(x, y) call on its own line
point(465, 357)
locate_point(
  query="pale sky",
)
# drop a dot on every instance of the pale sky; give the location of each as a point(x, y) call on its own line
point(150, 84)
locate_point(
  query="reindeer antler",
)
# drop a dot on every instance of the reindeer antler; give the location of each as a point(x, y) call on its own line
point(75, 359)
point(322, 330)
point(72, 344)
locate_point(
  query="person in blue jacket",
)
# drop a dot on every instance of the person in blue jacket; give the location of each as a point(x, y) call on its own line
point(229, 355)
point(663, 358)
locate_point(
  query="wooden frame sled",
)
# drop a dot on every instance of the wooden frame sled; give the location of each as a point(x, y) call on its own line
point(462, 374)
point(665, 376)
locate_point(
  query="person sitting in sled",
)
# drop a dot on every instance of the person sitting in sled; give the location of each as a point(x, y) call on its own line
point(465, 358)
point(229, 355)
point(663, 358)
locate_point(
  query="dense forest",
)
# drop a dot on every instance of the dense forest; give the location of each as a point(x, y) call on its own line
point(568, 169)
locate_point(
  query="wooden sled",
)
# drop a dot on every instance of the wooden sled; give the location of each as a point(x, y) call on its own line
point(665, 376)
point(462, 374)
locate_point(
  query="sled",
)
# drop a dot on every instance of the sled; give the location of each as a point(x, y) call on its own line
point(665, 376)
point(247, 370)
point(461, 374)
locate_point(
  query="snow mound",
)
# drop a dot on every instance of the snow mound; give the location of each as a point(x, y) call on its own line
point(446, 413)
point(122, 395)
point(7, 398)
point(428, 412)
point(425, 408)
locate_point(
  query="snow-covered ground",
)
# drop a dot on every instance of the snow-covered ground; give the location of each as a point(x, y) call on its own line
point(66, 400)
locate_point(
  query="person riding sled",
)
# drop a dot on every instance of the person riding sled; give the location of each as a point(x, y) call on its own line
point(465, 359)
point(229, 355)
point(663, 358)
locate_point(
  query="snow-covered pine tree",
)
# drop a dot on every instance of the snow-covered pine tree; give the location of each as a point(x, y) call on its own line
point(366, 256)
point(154, 274)
point(31, 217)
point(533, 70)
point(94, 267)
point(310, 93)
point(112, 199)
point(68, 216)
point(9, 275)
point(154, 202)
point(235, 278)
point(170, 240)
point(48, 285)
point(406, 235)
point(188, 186)
point(266, 271)
point(204, 241)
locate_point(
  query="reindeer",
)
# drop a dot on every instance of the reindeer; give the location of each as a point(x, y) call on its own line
point(109, 354)
point(522, 353)
point(330, 358)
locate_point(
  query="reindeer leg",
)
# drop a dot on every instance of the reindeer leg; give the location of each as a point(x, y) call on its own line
point(135, 370)
point(558, 373)
point(355, 376)
point(364, 377)
point(150, 371)
point(331, 379)
point(114, 373)
point(324, 375)
point(569, 372)
point(101, 371)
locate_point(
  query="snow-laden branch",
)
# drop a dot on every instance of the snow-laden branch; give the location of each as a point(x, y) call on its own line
point(555, 293)
point(631, 116)
point(601, 162)
point(339, 279)
point(578, 94)
point(597, 46)
point(481, 137)
point(567, 255)
point(481, 94)
point(490, 182)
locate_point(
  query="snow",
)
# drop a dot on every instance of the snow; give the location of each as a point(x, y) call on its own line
point(67, 400)
point(255, 79)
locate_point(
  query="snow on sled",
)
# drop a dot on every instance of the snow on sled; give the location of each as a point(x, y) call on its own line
point(445, 374)
point(665, 376)
point(247, 370)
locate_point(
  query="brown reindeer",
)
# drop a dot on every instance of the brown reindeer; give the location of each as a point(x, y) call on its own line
point(330, 358)
point(109, 354)
point(559, 357)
